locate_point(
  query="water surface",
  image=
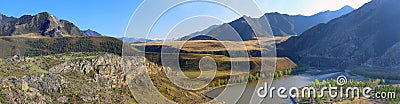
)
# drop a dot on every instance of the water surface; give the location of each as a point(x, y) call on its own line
point(298, 81)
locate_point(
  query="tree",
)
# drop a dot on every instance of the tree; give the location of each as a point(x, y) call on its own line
point(280, 73)
point(262, 75)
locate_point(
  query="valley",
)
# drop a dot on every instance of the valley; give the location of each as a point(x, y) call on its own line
point(190, 53)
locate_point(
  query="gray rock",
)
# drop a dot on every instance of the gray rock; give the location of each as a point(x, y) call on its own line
point(47, 82)
point(15, 93)
point(108, 69)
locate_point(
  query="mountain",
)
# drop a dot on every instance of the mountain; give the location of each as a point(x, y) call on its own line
point(281, 25)
point(368, 37)
point(240, 26)
point(133, 40)
point(91, 33)
point(302, 23)
point(42, 24)
point(205, 31)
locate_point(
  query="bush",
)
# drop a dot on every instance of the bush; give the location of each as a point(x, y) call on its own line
point(3, 99)
point(262, 75)
point(280, 73)
point(219, 82)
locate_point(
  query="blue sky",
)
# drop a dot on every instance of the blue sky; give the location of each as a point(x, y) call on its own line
point(105, 16)
point(111, 17)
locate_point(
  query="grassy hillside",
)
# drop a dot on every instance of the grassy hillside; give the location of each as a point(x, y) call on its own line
point(192, 51)
point(210, 46)
point(36, 46)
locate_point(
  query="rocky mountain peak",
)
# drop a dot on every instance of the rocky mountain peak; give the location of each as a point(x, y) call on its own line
point(41, 24)
point(90, 32)
point(347, 7)
point(44, 14)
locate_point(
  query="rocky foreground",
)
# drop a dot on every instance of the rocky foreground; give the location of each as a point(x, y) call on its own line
point(80, 78)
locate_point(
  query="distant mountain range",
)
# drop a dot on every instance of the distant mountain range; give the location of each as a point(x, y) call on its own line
point(125, 39)
point(281, 25)
point(369, 37)
point(91, 33)
point(42, 24)
point(133, 40)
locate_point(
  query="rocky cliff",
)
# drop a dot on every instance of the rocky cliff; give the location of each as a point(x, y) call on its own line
point(81, 78)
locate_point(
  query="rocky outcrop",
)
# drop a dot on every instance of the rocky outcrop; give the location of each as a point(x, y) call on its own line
point(108, 70)
point(17, 91)
point(42, 24)
point(48, 83)
point(84, 78)
point(93, 79)
point(27, 89)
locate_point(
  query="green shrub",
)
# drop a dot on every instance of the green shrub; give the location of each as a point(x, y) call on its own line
point(280, 73)
point(3, 99)
point(219, 82)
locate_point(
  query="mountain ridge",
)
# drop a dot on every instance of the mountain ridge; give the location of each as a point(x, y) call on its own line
point(41, 24)
point(281, 25)
point(366, 37)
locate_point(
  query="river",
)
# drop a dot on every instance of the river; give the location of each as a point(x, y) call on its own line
point(298, 81)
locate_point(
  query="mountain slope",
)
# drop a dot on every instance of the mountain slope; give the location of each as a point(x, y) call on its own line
point(25, 46)
point(281, 25)
point(91, 33)
point(368, 36)
point(306, 22)
point(42, 24)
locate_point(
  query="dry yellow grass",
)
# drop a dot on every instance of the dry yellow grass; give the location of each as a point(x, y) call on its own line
point(195, 74)
point(30, 35)
point(281, 63)
point(215, 45)
point(196, 50)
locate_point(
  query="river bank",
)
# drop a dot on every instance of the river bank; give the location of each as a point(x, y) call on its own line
point(299, 80)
